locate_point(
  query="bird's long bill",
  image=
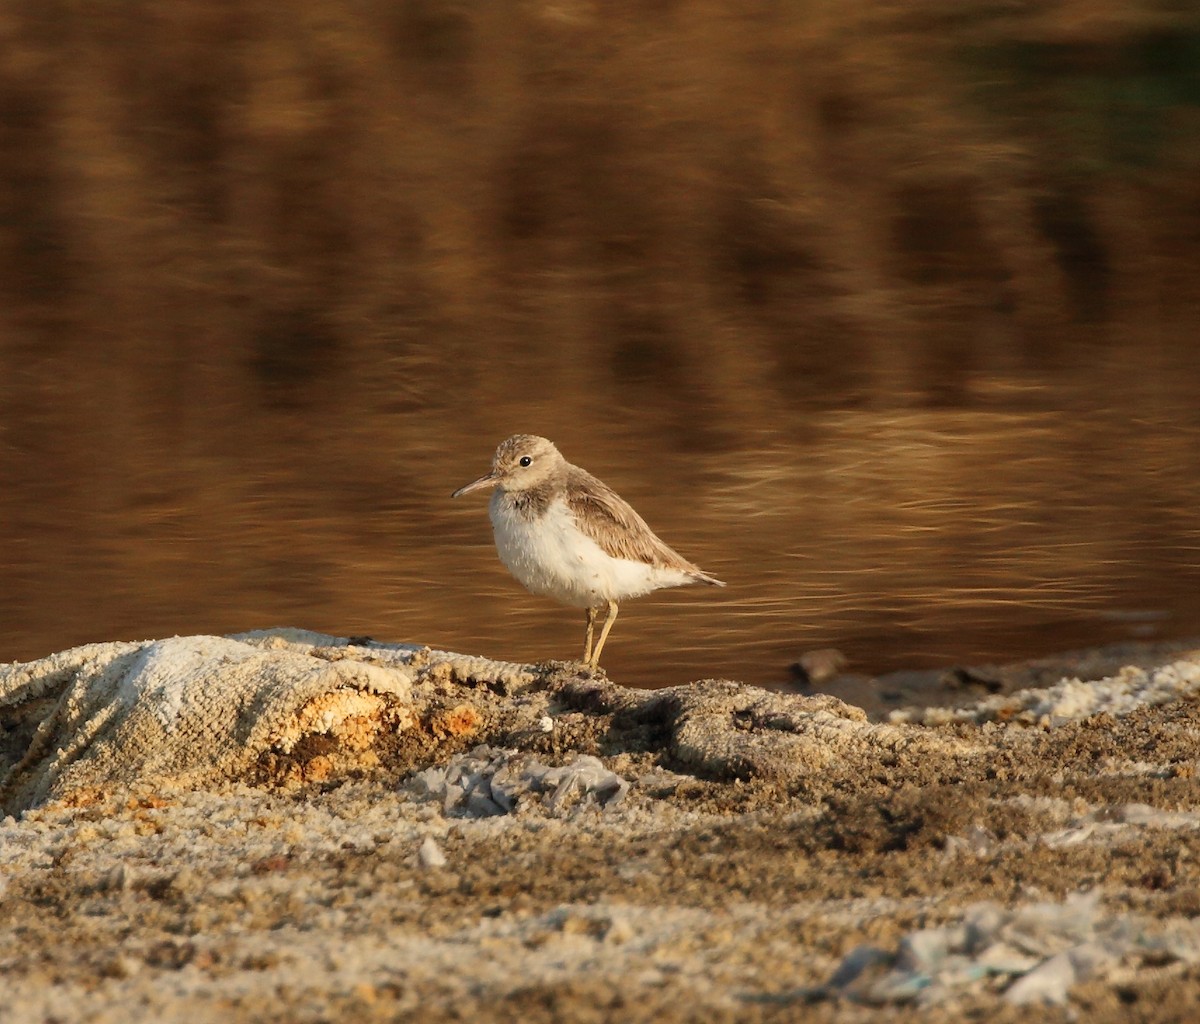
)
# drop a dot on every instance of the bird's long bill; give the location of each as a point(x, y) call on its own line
point(488, 480)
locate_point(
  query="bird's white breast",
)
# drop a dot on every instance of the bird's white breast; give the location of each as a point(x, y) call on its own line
point(549, 555)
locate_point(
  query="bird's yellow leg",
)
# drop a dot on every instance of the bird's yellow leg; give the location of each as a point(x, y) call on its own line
point(587, 639)
point(608, 624)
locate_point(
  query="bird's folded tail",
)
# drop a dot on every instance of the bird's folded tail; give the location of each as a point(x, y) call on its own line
point(702, 577)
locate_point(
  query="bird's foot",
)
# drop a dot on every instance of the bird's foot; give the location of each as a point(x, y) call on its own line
point(589, 668)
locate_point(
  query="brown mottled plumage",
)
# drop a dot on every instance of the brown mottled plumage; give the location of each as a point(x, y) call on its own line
point(602, 514)
point(570, 536)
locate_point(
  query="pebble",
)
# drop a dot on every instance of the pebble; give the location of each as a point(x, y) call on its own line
point(430, 855)
point(486, 782)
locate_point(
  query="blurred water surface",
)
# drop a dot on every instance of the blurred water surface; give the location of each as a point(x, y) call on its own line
point(886, 314)
point(904, 536)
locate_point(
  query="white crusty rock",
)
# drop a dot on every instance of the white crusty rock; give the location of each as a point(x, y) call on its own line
point(195, 711)
point(430, 855)
point(1036, 952)
point(184, 711)
point(485, 782)
point(1072, 699)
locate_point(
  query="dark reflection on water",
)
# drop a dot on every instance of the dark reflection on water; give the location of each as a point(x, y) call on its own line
point(904, 536)
point(886, 314)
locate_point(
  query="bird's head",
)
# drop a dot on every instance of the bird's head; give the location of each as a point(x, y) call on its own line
point(522, 462)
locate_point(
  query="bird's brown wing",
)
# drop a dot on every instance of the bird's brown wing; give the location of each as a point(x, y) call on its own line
point(609, 520)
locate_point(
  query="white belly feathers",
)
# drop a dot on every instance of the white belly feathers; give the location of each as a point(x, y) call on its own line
point(550, 556)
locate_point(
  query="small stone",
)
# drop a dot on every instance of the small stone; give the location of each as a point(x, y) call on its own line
point(430, 855)
point(859, 962)
point(480, 805)
point(120, 967)
point(815, 667)
point(505, 787)
point(618, 932)
point(455, 794)
point(430, 783)
point(122, 878)
point(1047, 984)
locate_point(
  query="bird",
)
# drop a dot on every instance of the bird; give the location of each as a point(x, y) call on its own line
point(565, 534)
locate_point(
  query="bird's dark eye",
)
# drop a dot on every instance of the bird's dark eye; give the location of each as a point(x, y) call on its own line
point(525, 460)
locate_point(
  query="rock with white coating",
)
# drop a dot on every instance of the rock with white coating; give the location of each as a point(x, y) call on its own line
point(486, 782)
point(187, 711)
point(1048, 984)
point(1044, 948)
point(584, 778)
point(192, 712)
point(1072, 699)
point(430, 855)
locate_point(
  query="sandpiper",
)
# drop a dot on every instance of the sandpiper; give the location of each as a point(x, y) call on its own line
point(564, 534)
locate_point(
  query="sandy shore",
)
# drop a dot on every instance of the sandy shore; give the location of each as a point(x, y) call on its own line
point(928, 867)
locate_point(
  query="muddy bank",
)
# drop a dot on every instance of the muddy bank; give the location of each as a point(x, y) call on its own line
point(573, 850)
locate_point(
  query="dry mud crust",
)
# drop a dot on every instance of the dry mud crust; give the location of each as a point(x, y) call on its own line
point(691, 900)
point(287, 706)
point(677, 915)
point(736, 853)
